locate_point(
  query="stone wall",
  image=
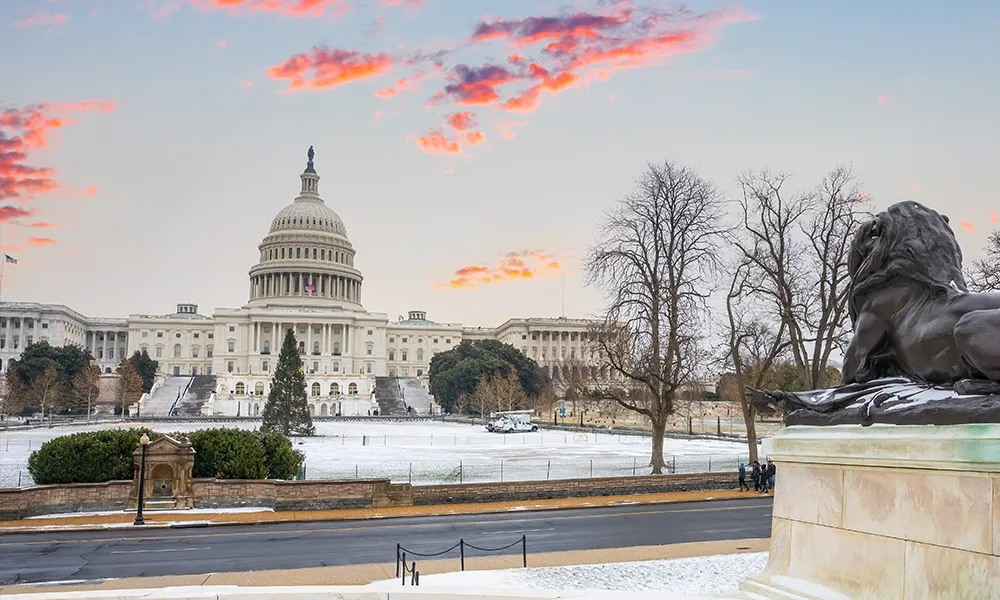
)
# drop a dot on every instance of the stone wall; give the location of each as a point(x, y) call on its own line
point(76, 497)
point(327, 495)
point(570, 488)
point(293, 495)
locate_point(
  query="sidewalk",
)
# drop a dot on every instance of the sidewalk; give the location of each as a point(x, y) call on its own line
point(369, 573)
point(166, 519)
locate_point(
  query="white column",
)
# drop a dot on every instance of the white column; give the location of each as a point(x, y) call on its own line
point(326, 329)
point(309, 337)
point(104, 345)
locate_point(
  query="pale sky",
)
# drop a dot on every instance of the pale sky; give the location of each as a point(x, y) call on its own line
point(147, 144)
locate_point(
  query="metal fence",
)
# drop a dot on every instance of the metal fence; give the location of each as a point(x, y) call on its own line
point(480, 471)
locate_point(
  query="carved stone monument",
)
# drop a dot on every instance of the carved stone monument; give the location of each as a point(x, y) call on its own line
point(902, 499)
point(169, 463)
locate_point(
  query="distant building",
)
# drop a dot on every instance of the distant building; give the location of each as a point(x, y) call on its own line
point(304, 281)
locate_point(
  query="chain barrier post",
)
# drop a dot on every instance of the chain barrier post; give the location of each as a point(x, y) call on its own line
point(461, 550)
point(524, 550)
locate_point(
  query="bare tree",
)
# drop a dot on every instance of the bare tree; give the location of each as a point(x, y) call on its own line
point(47, 388)
point(654, 258)
point(500, 393)
point(797, 248)
point(87, 385)
point(17, 397)
point(752, 347)
point(984, 276)
point(129, 385)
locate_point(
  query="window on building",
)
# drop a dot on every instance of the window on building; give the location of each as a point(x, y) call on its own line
point(402, 355)
point(315, 330)
point(159, 334)
point(194, 352)
point(369, 332)
point(314, 253)
point(267, 347)
point(208, 351)
point(392, 339)
point(241, 388)
point(369, 348)
point(229, 367)
point(534, 336)
point(404, 340)
point(45, 325)
point(265, 366)
point(435, 340)
point(447, 341)
point(392, 355)
point(524, 350)
point(145, 334)
point(524, 336)
point(232, 346)
point(267, 330)
point(159, 352)
point(232, 328)
point(302, 330)
point(352, 389)
point(336, 330)
point(336, 348)
point(316, 348)
point(298, 253)
point(177, 350)
point(282, 253)
point(211, 335)
point(258, 389)
point(322, 254)
point(315, 389)
point(534, 351)
point(404, 372)
point(420, 354)
point(368, 368)
point(315, 367)
point(336, 367)
point(111, 351)
point(197, 335)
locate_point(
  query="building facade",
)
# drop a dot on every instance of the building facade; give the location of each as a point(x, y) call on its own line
point(304, 282)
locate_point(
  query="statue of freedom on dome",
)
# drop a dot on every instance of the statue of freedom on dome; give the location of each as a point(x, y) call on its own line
point(311, 154)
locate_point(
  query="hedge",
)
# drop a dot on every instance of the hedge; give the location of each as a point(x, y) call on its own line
point(99, 456)
point(90, 457)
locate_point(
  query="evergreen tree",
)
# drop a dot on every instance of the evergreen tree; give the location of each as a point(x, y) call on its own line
point(287, 409)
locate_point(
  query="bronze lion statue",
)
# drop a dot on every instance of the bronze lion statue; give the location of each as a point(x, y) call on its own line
point(924, 348)
point(913, 316)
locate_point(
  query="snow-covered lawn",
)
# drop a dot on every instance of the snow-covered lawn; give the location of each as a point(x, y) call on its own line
point(433, 452)
point(693, 575)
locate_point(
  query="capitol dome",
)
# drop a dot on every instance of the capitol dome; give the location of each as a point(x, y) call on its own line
point(306, 259)
point(310, 214)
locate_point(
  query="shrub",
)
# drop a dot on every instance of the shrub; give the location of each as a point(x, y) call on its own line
point(89, 457)
point(228, 454)
point(99, 456)
point(282, 461)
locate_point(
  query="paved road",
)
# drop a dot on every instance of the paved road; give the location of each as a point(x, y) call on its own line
point(99, 555)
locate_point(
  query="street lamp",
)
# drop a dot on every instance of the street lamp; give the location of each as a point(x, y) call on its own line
point(143, 441)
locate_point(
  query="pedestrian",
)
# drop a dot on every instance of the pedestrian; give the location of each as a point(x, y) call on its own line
point(755, 476)
point(743, 478)
point(769, 473)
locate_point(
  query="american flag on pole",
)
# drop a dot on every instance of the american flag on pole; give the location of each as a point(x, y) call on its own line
point(10, 259)
point(310, 287)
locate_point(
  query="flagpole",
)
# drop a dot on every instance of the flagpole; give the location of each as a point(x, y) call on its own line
point(1, 277)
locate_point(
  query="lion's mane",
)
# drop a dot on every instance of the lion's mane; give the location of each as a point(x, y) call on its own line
point(906, 241)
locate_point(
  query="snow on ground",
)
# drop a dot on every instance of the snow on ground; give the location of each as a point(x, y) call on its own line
point(693, 575)
point(426, 452)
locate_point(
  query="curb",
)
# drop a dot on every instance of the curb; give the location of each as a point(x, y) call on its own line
point(205, 524)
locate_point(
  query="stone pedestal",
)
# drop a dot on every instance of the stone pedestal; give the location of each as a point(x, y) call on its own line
point(884, 512)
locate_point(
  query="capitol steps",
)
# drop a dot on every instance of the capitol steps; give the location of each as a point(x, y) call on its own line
point(165, 396)
point(196, 394)
point(389, 396)
point(416, 397)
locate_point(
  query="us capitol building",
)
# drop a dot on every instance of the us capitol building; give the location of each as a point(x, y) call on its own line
point(305, 281)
